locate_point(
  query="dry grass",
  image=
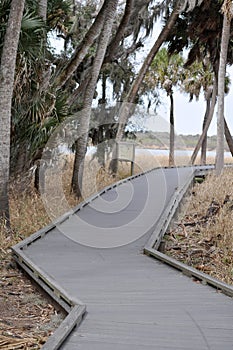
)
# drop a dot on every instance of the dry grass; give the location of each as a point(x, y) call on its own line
point(202, 236)
point(25, 323)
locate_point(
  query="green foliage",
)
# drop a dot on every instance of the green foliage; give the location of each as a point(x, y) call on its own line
point(35, 125)
point(165, 66)
point(165, 72)
point(32, 36)
point(198, 76)
point(200, 31)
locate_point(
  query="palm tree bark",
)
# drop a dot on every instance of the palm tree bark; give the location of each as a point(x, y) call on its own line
point(82, 49)
point(228, 137)
point(204, 143)
point(113, 46)
point(208, 121)
point(219, 161)
point(81, 143)
point(172, 132)
point(7, 72)
point(42, 9)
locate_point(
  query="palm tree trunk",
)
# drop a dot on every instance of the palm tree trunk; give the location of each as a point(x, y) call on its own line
point(113, 46)
point(7, 72)
point(172, 132)
point(81, 143)
point(228, 137)
point(42, 9)
point(82, 50)
point(219, 161)
point(208, 121)
point(204, 143)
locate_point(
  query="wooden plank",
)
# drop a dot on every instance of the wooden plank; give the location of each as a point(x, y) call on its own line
point(73, 319)
point(164, 221)
point(191, 272)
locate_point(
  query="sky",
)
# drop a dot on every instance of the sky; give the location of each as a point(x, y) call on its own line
point(189, 115)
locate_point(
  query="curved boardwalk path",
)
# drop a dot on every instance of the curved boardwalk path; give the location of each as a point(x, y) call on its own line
point(134, 302)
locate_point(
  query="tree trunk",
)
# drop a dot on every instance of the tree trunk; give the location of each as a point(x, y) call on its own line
point(81, 143)
point(228, 137)
point(172, 133)
point(120, 32)
point(82, 50)
point(42, 9)
point(204, 143)
point(7, 72)
point(124, 116)
point(219, 161)
point(208, 121)
point(101, 154)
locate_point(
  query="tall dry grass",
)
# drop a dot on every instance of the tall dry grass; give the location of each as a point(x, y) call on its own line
point(203, 236)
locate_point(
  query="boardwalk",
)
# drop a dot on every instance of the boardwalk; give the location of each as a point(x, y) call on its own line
point(134, 302)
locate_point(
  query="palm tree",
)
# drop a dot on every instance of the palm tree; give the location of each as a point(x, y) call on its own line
point(227, 13)
point(199, 75)
point(7, 73)
point(166, 72)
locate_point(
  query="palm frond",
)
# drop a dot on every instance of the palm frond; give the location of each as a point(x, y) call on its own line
point(32, 37)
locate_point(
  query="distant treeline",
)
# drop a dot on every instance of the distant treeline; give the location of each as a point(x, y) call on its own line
point(160, 140)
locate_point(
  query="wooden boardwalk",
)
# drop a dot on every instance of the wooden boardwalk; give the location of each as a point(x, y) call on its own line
point(133, 301)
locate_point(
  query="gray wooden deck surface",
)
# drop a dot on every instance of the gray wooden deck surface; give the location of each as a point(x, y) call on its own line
point(133, 301)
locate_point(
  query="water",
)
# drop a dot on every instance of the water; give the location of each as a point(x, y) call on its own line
point(179, 153)
point(164, 152)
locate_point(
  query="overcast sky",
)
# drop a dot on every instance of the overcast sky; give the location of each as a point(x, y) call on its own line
point(189, 115)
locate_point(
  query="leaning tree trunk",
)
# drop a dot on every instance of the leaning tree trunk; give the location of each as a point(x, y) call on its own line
point(81, 143)
point(82, 49)
point(7, 72)
point(114, 44)
point(204, 143)
point(172, 132)
point(219, 161)
point(208, 121)
point(228, 137)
